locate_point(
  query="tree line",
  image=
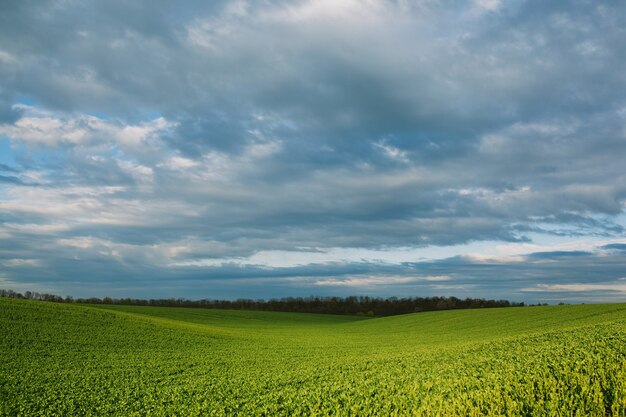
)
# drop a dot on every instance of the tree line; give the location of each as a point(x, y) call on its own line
point(352, 305)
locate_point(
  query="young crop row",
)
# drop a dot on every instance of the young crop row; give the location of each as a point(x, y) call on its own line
point(70, 360)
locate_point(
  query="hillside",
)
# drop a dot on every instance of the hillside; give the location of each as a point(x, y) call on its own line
point(58, 359)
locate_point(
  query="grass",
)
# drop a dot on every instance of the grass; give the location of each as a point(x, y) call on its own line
point(59, 359)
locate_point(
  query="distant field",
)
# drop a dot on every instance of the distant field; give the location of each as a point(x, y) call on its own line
point(65, 360)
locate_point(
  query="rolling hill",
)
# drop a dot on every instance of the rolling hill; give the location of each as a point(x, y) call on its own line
point(67, 359)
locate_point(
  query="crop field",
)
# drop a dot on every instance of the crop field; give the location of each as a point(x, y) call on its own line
point(74, 360)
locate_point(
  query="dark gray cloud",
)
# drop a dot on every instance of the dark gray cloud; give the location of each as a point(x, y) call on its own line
point(10, 179)
point(559, 254)
point(216, 130)
point(7, 168)
point(615, 246)
point(8, 114)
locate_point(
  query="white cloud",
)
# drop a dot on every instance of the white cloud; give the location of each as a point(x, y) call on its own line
point(60, 204)
point(142, 134)
point(47, 130)
point(122, 252)
point(13, 263)
point(7, 57)
point(48, 228)
point(83, 242)
point(488, 4)
point(179, 163)
point(578, 287)
point(142, 174)
point(43, 127)
point(316, 10)
point(392, 152)
point(479, 252)
point(364, 281)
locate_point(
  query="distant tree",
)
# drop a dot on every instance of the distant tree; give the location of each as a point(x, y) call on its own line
point(359, 305)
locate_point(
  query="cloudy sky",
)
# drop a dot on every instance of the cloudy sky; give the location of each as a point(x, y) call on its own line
point(209, 149)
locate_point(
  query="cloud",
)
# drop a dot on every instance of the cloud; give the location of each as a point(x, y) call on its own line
point(8, 112)
point(9, 179)
point(250, 138)
point(384, 281)
point(574, 287)
point(12, 263)
point(488, 4)
point(557, 254)
point(615, 246)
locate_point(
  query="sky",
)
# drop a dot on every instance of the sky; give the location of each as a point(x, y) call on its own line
point(274, 148)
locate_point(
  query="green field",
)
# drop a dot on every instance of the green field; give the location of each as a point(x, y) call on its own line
point(66, 360)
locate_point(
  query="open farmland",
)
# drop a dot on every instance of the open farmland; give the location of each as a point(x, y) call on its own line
point(60, 359)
